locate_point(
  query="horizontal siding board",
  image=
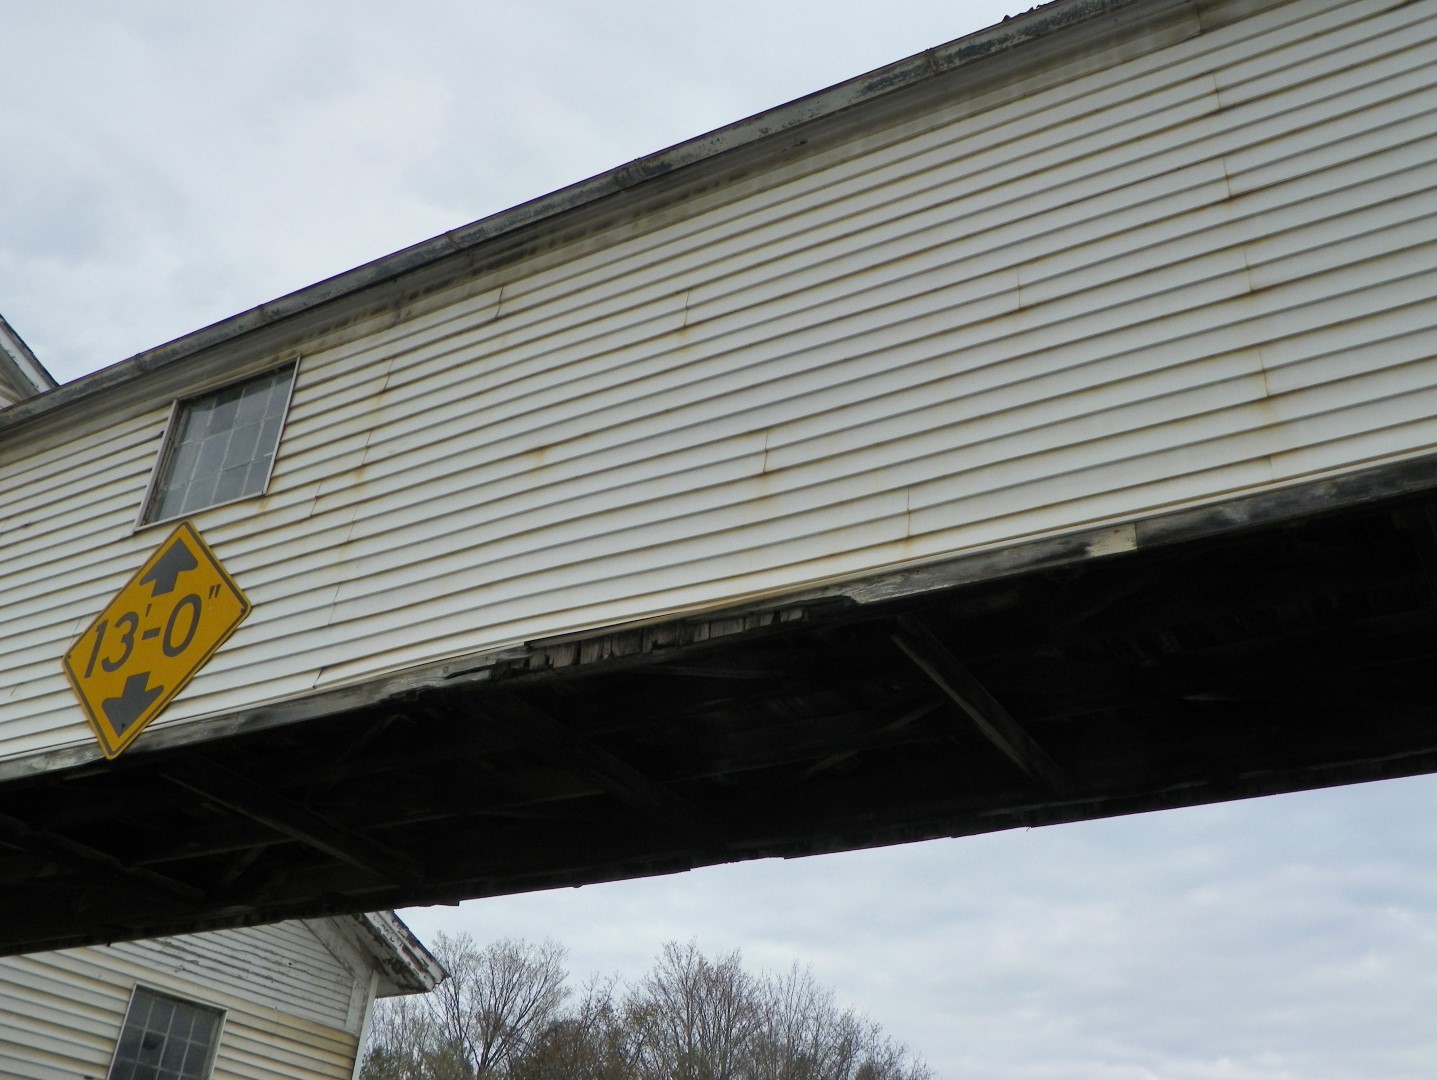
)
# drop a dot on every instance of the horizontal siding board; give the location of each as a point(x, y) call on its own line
point(285, 1008)
point(78, 495)
point(799, 485)
point(1202, 271)
point(60, 472)
point(1080, 103)
point(1370, 42)
point(802, 389)
point(1123, 158)
point(1395, 437)
point(1332, 355)
point(275, 1055)
point(648, 259)
point(1255, 171)
point(783, 476)
point(283, 967)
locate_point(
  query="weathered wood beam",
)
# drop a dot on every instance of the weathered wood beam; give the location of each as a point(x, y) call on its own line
point(550, 738)
point(1420, 523)
point(443, 742)
point(988, 715)
point(238, 867)
point(256, 802)
point(82, 857)
point(729, 671)
point(805, 740)
point(790, 663)
point(889, 734)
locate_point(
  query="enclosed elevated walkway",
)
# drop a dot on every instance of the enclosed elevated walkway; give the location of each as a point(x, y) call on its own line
point(1262, 645)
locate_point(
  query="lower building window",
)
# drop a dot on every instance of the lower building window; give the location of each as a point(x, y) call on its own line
point(166, 1038)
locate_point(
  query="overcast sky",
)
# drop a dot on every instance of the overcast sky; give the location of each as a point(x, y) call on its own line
point(165, 165)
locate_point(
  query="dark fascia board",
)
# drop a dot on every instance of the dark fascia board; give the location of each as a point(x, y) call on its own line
point(1000, 49)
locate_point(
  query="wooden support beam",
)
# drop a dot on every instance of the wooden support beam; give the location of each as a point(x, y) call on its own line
point(88, 860)
point(445, 740)
point(256, 802)
point(1420, 523)
point(548, 737)
point(789, 664)
point(881, 738)
point(239, 866)
point(728, 671)
point(988, 715)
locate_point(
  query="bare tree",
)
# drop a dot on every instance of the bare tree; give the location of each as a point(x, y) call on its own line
point(502, 1014)
point(497, 998)
point(693, 1017)
point(804, 1035)
point(591, 1041)
point(406, 1042)
point(479, 1021)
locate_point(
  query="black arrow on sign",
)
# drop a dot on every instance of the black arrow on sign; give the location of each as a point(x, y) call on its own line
point(175, 561)
point(134, 699)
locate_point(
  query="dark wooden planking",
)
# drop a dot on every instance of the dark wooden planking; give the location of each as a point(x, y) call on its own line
point(252, 799)
point(619, 778)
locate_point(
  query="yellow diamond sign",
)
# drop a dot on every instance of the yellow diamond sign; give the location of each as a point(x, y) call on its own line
point(152, 637)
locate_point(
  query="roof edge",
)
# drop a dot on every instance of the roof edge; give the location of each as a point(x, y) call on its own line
point(1001, 38)
point(27, 375)
point(405, 966)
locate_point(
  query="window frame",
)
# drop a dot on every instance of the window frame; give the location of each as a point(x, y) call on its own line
point(145, 518)
point(140, 988)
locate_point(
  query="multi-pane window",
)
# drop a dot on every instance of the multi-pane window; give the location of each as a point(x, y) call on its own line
point(221, 446)
point(166, 1038)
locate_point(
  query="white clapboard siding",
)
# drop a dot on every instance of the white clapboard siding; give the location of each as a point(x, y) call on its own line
point(283, 967)
point(286, 1001)
point(282, 1047)
point(1197, 273)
